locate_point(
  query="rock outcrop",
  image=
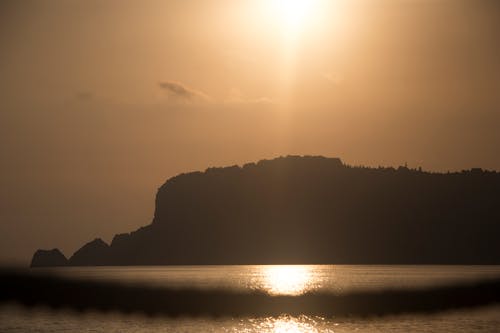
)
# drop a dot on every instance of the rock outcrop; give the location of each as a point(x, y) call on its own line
point(44, 258)
point(94, 253)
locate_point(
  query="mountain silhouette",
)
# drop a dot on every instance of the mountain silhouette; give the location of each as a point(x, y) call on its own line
point(43, 258)
point(314, 210)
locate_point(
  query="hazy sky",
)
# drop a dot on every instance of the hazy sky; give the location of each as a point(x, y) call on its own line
point(102, 101)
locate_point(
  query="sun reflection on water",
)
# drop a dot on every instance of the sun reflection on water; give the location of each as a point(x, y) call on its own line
point(285, 323)
point(287, 280)
point(290, 325)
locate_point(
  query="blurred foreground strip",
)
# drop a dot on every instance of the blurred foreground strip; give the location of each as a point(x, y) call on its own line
point(56, 292)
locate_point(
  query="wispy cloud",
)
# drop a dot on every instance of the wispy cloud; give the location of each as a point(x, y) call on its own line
point(236, 97)
point(84, 96)
point(334, 78)
point(180, 91)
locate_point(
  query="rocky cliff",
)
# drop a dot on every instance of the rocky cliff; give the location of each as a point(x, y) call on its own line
point(314, 210)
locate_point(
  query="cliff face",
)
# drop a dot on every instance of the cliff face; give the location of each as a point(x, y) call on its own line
point(316, 210)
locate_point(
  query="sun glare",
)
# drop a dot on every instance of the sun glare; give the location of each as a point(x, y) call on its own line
point(287, 280)
point(292, 325)
point(293, 14)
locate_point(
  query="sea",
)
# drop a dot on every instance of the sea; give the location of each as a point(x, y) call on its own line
point(275, 280)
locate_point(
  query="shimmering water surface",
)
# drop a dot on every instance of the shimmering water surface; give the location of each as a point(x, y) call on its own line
point(291, 280)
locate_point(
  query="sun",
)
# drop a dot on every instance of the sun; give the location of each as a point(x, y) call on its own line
point(293, 14)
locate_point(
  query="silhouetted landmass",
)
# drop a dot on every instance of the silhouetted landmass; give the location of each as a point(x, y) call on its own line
point(43, 258)
point(56, 292)
point(91, 254)
point(307, 210)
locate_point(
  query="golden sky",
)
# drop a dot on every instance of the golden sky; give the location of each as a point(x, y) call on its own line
point(102, 101)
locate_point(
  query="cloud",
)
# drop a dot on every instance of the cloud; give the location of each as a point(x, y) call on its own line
point(236, 97)
point(182, 92)
point(334, 78)
point(84, 96)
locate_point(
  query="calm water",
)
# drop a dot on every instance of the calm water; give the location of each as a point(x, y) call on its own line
point(291, 280)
